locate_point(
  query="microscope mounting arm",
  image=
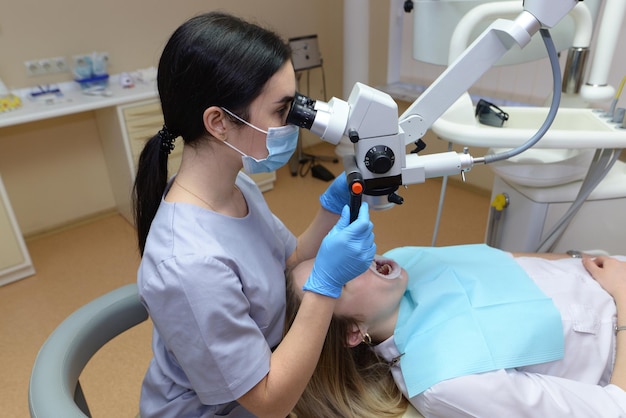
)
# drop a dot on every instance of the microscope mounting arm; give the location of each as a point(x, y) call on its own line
point(369, 117)
point(477, 59)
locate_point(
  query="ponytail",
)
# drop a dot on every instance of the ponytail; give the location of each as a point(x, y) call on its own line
point(150, 182)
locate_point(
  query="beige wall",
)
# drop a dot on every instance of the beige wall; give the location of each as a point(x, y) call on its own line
point(134, 32)
point(53, 170)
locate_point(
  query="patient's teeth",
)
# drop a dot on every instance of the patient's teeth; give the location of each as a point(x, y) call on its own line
point(386, 268)
point(383, 268)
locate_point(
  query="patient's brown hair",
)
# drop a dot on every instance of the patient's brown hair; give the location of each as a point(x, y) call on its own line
point(347, 382)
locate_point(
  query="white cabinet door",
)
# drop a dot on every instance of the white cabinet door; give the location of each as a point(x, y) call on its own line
point(15, 261)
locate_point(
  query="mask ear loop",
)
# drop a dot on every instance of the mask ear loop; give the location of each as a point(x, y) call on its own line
point(242, 120)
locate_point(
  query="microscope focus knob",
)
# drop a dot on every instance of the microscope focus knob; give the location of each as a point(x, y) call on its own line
point(379, 159)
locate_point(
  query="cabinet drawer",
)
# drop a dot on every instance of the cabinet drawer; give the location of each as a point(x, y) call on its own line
point(138, 111)
point(142, 121)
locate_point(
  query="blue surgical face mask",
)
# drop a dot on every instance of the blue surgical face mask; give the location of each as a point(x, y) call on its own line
point(281, 142)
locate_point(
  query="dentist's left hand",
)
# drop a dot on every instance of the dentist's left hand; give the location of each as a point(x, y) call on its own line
point(337, 195)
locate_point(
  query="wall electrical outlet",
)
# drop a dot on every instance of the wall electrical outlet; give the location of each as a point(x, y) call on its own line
point(33, 68)
point(59, 64)
point(46, 66)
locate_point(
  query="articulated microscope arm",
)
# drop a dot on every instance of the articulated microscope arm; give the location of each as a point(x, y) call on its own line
point(479, 57)
point(369, 117)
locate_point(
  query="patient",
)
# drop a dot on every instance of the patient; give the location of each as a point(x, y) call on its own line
point(471, 331)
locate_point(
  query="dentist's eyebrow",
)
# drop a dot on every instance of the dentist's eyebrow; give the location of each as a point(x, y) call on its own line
point(285, 99)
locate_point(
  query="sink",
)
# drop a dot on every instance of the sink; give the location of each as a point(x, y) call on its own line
point(562, 156)
point(543, 167)
point(572, 128)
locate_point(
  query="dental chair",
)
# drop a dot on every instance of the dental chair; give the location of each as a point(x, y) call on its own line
point(54, 390)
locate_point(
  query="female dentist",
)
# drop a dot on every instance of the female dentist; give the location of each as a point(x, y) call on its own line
point(213, 255)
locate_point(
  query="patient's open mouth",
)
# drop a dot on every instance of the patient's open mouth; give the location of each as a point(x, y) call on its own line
point(385, 268)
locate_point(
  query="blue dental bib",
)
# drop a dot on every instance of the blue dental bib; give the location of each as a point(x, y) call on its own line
point(470, 309)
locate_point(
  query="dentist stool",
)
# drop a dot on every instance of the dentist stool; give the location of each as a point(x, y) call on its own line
point(54, 390)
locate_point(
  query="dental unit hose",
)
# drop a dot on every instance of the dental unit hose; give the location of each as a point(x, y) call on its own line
point(602, 162)
point(554, 106)
point(618, 93)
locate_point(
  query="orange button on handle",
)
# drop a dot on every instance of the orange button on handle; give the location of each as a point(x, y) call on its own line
point(357, 188)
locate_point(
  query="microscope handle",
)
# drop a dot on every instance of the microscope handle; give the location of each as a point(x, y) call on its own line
point(355, 185)
point(355, 200)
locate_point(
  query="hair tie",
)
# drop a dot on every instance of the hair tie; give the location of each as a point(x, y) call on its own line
point(167, 140)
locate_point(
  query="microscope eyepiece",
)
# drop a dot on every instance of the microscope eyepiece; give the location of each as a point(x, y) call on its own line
point(326, 120)
point(302, 112)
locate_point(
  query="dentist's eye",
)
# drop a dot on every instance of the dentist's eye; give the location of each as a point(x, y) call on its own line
point(282, 114)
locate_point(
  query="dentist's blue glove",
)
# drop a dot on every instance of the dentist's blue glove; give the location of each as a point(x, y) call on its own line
point(337, 195)
point(346, 252)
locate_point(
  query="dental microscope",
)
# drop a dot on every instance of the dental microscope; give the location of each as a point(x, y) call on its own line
point(369, 118)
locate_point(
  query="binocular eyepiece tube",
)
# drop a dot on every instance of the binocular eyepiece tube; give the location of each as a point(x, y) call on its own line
point(326, 120)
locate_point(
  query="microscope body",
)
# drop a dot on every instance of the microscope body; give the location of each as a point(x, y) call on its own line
point(379, 149)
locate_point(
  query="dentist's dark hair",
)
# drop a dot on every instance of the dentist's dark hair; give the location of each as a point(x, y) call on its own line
point(214, 59)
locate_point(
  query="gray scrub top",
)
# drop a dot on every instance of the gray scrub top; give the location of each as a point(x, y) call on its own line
point(215, 290)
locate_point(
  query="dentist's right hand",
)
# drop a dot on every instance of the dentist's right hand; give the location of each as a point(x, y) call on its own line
point(346, 252)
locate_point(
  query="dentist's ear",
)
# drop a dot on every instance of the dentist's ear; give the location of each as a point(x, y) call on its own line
point(214, 122)
point(354, 336)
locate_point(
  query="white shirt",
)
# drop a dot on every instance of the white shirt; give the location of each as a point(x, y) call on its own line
point(576, 386)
